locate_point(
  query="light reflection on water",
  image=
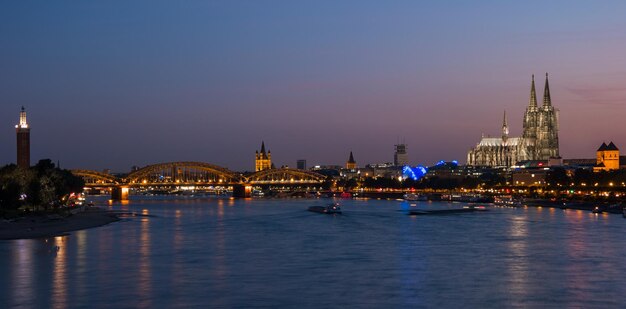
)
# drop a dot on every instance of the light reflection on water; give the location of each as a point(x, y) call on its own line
point(272, 253)
point(60, 273)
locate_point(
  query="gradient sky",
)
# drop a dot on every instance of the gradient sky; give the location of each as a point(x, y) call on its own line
point(111, 84)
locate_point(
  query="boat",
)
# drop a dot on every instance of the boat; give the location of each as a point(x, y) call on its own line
point(345, 195)
point(507, 201)
point(597, 210)
point(415, 197)
point(330, 209)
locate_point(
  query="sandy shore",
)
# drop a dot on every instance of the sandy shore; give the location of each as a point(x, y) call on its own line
point(54, 225)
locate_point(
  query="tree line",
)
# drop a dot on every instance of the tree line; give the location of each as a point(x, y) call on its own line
point(40, 187)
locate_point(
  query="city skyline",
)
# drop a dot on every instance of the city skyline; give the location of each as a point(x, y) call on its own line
point(111, 85)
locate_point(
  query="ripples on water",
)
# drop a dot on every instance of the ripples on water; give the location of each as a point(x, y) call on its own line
point(273, 253)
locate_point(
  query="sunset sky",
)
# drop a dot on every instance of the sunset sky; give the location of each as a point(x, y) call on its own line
point(112, 84)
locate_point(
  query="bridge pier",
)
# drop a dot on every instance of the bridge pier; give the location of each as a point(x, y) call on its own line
point(119, 193)
point(242, 191)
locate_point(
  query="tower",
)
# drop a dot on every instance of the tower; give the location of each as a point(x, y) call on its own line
point(400, 157)
point(22, 131)
point(547, 142)
point(351, 164)
point(607, 158)
point(531, 117)
point(505, 128)
point(262, 159)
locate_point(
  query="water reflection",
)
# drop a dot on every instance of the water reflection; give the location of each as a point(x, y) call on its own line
point(81, 261)
point(269, 253)
point(145, 271)
point(518, 263)
point(59, 274)
point(22, 269)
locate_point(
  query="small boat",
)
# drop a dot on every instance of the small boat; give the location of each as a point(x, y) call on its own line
point(415, 197)
point(507, 201)
point(345, 195)
point(329, 209)
point(596, 210)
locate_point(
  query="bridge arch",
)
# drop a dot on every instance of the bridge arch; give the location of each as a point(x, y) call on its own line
point(183, 172)
point(286, 176)
point(94, 177)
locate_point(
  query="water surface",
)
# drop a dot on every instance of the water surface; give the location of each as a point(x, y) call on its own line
point(199, 252)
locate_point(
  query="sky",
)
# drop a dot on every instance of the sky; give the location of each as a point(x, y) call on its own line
point(112, 84)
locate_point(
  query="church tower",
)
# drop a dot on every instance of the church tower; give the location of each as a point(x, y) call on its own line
point(531, 117)
point(22, 131)
point(351, 164)
point(607, 158)
point(262, 159)
point(505, 128)
point(548, 131)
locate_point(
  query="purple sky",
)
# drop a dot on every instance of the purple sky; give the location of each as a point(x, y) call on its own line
point(111, 84)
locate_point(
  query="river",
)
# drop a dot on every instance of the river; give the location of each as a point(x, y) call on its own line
point(225, 253)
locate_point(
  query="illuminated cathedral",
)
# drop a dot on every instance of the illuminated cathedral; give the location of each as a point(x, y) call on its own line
point(539, 140)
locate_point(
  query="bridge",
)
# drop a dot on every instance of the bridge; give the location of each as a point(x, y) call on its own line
point(197, 174)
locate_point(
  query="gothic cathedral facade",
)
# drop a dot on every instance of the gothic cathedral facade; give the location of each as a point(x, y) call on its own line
point(539, 141)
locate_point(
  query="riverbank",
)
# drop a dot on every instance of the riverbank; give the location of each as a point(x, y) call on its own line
point(38, 226)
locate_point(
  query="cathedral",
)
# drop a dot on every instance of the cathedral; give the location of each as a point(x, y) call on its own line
point(539, 140)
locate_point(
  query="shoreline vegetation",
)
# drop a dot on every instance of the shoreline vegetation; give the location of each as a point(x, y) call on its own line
point(51, 225)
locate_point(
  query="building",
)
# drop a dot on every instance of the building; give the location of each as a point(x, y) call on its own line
point(351, 164)
point(607, 158)
point(539, 141)
point(23, 141)
point(262, 159)
point(400, 157)
point(301, 164)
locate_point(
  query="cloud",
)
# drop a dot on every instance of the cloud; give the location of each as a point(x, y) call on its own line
point(604, 95)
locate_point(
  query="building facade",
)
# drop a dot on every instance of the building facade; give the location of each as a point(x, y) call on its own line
point(22, 131)
point(262, 159)
point(400, 157)
point(539, 140)
point(607, 158)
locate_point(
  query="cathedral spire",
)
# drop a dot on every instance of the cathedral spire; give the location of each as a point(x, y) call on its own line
point(533, 94)
point(505, 127)
point(263, 147)
point(546, 93)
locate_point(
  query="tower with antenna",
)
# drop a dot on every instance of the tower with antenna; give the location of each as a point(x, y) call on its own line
point(22, 130)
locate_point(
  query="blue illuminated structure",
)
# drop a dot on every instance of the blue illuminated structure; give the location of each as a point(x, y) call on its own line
point(420, 171)
point(414, 173)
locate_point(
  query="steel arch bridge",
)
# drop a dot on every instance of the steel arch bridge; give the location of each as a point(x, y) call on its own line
point(171, 174)
point(183, 172)
point(285, 176)
point(96, 178)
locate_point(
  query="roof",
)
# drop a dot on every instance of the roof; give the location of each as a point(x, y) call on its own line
point(611, 146)
point(581, 162)
point(602, 147)
point(498, 141)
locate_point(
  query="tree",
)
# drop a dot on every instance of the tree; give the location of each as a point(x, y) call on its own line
point(557, 177)
point(41, 185)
